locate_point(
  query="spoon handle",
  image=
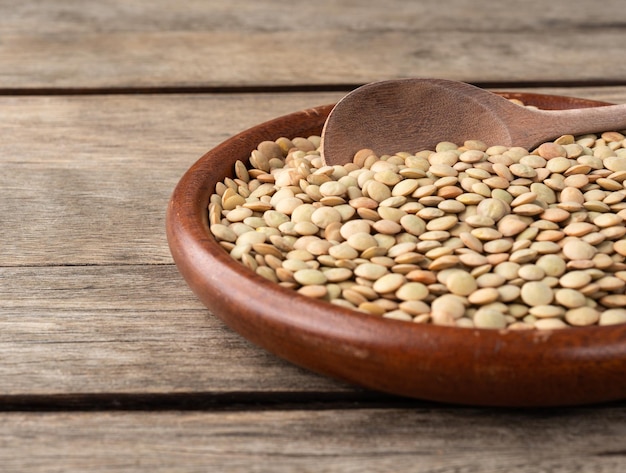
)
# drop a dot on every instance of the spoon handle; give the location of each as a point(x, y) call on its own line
point(580, 121)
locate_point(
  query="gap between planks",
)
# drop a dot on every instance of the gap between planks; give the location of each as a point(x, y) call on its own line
point(208, 401)
point(256, 401)
point(299, 88)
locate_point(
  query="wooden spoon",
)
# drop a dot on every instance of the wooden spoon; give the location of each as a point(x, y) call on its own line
point(416, 114)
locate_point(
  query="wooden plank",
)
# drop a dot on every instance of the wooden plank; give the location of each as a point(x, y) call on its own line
point(417, 440)
point(92, 330)
point(85, 180)
point(75, 16)
point(109, 44)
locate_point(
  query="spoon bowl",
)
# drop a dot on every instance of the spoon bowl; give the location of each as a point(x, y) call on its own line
point(416, 114)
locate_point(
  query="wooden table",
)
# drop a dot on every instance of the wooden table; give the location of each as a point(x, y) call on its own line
point(107, 360)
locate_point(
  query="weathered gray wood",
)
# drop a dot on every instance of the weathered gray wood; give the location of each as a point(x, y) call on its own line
point(73, 44)
point(417, 440)
point(90, 330)
point(76, 16)
point(86, 180)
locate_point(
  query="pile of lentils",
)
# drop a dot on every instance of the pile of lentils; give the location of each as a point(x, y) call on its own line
point(467, 236)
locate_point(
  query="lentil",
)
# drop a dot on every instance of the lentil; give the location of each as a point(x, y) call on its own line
point(466, 236)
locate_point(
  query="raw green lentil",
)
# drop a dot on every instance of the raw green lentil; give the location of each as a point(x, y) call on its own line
point(467, 236)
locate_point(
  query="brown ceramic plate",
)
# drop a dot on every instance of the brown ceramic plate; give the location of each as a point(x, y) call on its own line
point(467, 366)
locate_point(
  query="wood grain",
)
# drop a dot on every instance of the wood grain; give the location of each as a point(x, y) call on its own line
point(109, 44)
point(126, 329)
point(86, 180)
point(348, 440)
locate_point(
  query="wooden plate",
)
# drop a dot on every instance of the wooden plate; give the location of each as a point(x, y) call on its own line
point(466, 366)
